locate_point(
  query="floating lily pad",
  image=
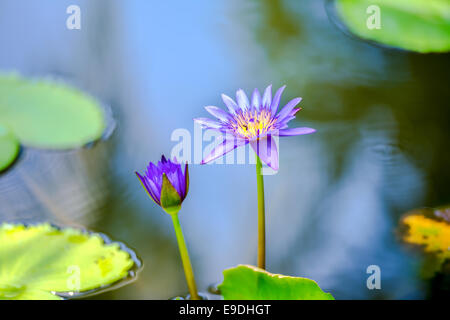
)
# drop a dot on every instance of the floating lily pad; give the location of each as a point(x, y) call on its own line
point(416, 25)
point(47, 114)
point(9, 148)
point(246, 282)
point(41, 261)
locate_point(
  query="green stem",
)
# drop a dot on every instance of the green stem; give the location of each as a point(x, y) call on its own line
point(185, 258)
point(261, 216)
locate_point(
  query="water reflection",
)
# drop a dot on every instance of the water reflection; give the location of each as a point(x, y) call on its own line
point(62, 187)
point(380, 150)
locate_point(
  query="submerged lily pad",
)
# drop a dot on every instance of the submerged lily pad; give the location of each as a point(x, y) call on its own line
point(424, 227)
point(429, 230)
point(416, 25)
point(40, 261)
point(246, 282)
point(47, 114)
point(9, 148)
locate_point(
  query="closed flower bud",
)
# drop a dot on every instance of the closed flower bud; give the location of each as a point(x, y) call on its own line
point(166, 184)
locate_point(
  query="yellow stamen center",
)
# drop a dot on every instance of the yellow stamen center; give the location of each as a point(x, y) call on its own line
point(250, 124)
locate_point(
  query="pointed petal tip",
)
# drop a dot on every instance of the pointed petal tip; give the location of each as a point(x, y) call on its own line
point(295, 131)
point(230, 103)
point(267, 97)
point(208, 123)
point(226, 97)
point(218, 113)
point(242, 99)
point(287, 109)
point(240, 91)
point(276, 100)
point(211, 108)
point(310, 130)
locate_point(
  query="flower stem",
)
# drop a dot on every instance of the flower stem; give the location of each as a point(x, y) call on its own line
point(185, 258)
point(261, 216)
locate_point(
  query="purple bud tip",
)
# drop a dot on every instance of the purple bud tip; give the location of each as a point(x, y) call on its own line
point(152, 179)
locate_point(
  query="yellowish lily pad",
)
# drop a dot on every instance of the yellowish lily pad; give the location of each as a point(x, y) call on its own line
point(45, 262)
point(432, 234)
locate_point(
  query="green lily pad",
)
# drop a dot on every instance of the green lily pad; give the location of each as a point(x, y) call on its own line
point(246, 282)
point(416, 25)
point(9, 148)
point(45, 262)
point(47, 114)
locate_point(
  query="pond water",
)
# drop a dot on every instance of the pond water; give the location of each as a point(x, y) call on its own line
point(381, 146)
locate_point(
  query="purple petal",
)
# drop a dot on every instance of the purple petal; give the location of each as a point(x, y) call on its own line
point(242, 100)
point(152, 170)
point(218, 113)
point(208, 123)
point(186, 180)
point(155, 187)
point(267, 151)
point(276, 100)
point(174, 179)
point(288, 108)
point(227, 144)
point(181, 182)
point(147, 187)
point(256, 99)
point(283, 124)
point(267, 98)
point(231, 105)
point(294, 111)
point(295, 131)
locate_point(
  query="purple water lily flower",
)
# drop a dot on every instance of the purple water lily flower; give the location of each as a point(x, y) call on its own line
point(255, 122)
point(166, 183)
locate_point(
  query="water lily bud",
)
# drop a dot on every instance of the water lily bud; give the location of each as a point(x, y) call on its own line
point(166, 184)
